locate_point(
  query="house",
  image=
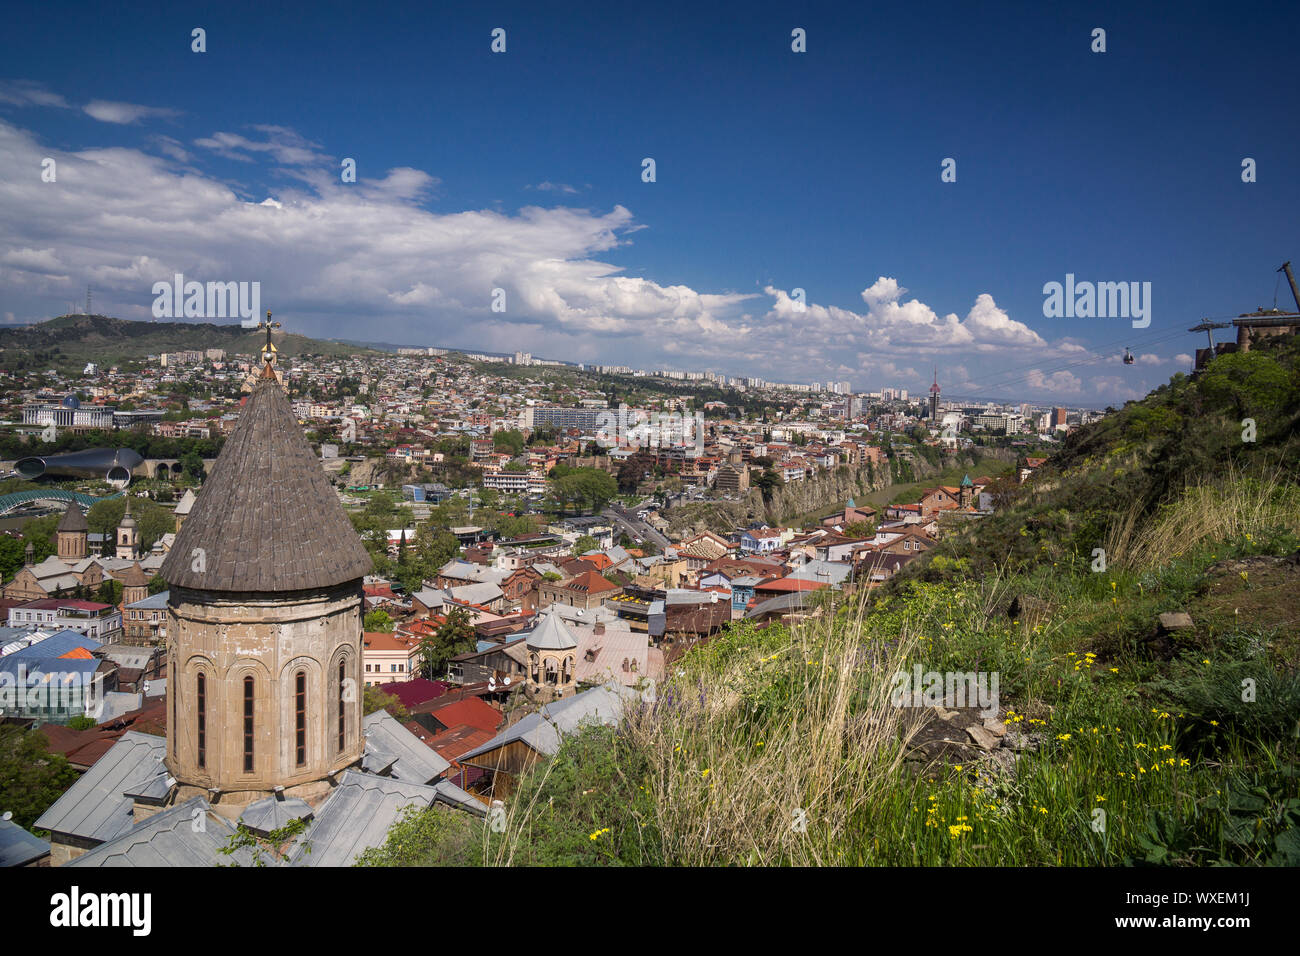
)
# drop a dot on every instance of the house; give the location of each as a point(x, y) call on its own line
point(764, 540)
point(102, 622)
point(537, 736)
point(389, 658)
point(586, 590)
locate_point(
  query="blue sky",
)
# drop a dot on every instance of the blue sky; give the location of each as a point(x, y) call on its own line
point(775, 171)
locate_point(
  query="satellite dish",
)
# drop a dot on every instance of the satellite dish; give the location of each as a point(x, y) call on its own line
point(507, 680)
point(492, 683)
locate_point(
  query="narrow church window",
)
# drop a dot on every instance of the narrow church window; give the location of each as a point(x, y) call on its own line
point(300, 717)
point(248, 725)
point(342, 724)
point(203, 719)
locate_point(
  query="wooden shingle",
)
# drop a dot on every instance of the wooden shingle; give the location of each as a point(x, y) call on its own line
point(267, 520)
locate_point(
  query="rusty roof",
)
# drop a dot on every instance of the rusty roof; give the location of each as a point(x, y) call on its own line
point(267, 520)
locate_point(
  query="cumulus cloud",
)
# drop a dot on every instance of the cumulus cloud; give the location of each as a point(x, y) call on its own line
point(124, 114)
point(1058, 383)
point(370, 261)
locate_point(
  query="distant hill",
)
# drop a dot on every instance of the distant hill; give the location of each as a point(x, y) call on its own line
point(77, 339)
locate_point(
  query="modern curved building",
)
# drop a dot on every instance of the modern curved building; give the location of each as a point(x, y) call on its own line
point(114, 465)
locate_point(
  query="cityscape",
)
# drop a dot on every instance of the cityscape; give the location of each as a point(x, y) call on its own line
point(561, 488)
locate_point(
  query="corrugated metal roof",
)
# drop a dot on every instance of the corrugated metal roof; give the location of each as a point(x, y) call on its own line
point(413, 760)
point(94, 808)
point(188, 834)
point(356, 817)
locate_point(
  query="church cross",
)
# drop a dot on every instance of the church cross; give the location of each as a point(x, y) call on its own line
point(268, 353)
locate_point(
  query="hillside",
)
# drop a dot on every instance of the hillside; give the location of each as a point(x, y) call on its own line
point(1145, 702)
point(73, 340)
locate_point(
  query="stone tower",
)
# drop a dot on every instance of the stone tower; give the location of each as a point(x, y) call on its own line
point(552, 660)
point(128, 536)
point(264, 620)
point(72, 532)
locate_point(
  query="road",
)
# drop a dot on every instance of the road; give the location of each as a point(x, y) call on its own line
point(638, 529)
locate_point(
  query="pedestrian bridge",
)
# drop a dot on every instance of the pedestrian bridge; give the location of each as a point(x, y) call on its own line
point(18, 499)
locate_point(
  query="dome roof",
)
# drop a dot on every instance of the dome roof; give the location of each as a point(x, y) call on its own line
point(552, 634)
point(74, 519)
point(267, 519)
point(71, 401)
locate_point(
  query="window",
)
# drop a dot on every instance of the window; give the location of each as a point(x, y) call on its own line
point(202, 694)
point(342, 724)
point(248, 725)
point(300, 717)
point(174, 727)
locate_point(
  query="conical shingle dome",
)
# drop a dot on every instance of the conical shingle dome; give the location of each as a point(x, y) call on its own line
point(74, 519)
point(267, 519)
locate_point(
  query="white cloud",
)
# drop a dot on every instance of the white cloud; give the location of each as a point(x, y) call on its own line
point(369, 261)
point(30, 93)
point(124, 114)
point(549, 187)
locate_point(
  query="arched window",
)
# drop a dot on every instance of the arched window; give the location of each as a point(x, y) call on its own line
point(175, 727)
point(343, 678)
point(202, 694)
point(248, 724)
point(300, 717)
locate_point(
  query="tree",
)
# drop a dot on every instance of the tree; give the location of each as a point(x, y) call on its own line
point(157, 585)
point(378, 620)
point(584, 544)
point(373, 699)
point(508, 441)
point(455, 636)
point(31, 778)
point(40, 532)
point(11, 556)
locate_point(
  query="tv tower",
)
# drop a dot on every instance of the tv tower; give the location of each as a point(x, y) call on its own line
point(934, 396)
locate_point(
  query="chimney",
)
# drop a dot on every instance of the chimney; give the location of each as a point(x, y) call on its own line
point(599, 629)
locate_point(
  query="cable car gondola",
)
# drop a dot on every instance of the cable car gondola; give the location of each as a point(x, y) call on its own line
point(1128, 357)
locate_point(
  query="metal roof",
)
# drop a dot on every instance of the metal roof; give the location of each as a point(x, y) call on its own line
point(18, 847)
point(356, 817)
point(172, 837)
point(552, 635)
point(95, 808)
point(411, 760)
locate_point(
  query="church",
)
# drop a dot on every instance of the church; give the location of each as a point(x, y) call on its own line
point(265, 722)
point(72, 565)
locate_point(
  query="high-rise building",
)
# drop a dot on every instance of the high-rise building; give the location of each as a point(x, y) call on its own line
point(934, 397)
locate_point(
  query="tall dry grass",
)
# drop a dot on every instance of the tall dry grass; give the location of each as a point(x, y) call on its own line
point(766, 759)
point(1228, 508)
